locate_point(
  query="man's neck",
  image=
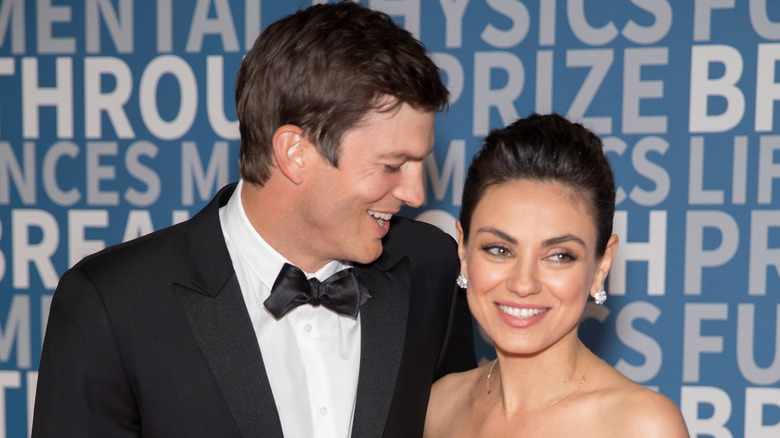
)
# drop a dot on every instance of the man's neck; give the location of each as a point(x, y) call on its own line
point(272, 211)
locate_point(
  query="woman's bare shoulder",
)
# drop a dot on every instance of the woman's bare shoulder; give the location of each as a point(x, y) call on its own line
point(635, 410)
point(450, 399)
point(455, 387)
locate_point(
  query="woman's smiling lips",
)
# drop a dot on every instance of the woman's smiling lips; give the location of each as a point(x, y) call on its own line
point(520, 316)
point(521, 313)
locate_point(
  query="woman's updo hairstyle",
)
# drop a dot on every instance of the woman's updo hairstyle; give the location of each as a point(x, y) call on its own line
point(545, 148)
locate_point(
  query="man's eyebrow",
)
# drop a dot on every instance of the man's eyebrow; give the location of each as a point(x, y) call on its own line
point(402, 156)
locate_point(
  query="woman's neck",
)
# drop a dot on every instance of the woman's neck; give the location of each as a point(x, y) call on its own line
point(523, 384)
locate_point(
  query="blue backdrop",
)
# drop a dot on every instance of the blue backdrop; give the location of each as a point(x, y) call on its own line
point(117, 118)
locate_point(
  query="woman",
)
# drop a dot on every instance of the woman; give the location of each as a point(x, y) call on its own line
point(535, 239)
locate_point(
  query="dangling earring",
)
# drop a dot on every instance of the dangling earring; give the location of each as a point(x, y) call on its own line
point(600, 296)
point(461, 281)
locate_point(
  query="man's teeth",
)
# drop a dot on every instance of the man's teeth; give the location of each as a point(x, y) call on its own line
point(520, 313)
point(380, 217)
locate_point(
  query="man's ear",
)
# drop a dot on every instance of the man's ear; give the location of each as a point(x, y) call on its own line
point(461, 247)
point(288, 152)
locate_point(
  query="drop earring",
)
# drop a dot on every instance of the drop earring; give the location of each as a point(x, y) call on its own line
point(461, 281)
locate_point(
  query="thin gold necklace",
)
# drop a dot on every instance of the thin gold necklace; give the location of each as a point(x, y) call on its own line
point(579, 383)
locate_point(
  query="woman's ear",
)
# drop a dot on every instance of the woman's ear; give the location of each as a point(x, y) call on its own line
point(604, 265)
point(288, 152)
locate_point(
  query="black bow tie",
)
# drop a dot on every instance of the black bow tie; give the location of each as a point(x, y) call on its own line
point(342, 292)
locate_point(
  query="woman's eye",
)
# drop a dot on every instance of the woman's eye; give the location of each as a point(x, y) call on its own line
point(562, 258)
point(498, 251)
point(392, 169)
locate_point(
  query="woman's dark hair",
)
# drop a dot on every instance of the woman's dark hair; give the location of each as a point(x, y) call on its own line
point(323, 69)
point(545, 148)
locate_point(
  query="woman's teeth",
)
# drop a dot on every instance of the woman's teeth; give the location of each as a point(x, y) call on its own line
point(521, 313)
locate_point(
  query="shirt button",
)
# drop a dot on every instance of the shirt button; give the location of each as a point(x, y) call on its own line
point(308, 328)
point(323, 411)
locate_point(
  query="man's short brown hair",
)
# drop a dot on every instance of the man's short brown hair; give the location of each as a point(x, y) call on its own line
point(323, 69)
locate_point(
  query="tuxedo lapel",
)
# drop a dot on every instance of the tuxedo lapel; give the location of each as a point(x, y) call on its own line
point(222, 327)
point(383, 330)
point(215, 308)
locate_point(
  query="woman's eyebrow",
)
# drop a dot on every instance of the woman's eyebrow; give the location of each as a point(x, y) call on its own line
point(565, 238)
point(498, 233)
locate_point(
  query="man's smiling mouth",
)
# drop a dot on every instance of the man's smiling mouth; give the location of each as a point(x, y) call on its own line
point(380, 218)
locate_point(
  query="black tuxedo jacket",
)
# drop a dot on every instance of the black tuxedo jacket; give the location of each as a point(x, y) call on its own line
point(152, 338)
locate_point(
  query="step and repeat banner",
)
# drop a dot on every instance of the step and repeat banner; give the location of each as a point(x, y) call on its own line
point(117, 118)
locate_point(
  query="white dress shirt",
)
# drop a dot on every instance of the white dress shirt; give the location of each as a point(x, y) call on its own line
point(312, 354)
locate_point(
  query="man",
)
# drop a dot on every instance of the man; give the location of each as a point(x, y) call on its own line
point(190, 331)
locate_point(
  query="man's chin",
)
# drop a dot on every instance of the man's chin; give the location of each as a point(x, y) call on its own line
point(370, 255)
